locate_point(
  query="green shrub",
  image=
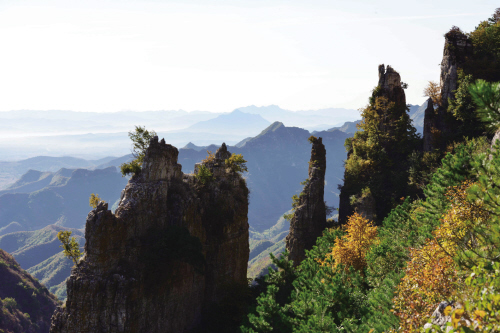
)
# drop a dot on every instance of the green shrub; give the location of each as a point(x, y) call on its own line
point(9, 303)
point(236, 163)
point(204, 175)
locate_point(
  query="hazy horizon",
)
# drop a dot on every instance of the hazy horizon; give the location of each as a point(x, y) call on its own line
point(192, 55)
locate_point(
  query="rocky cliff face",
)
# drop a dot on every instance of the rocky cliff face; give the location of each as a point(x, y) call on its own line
point(457, 47)
point(167, 256)
point(390, 83)
point(438, 124)
point(309, 219)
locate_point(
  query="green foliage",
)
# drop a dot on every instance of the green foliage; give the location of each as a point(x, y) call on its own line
point(9, 303)
point(485, 191)
point(236, 163)
point(140, 142)
point(379, 154)
point(94, 200)
point(140, 138)
point(133, 167)
point(466, 122)
point(487, 97)
point(482, 302)
point(485, 62)
point(382, 158)
point(204, 175)
point(295, 204)
point(71, 248)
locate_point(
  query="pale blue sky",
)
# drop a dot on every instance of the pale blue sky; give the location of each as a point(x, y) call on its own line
point(219, 55)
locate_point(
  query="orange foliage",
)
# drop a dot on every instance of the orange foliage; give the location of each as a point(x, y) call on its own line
point(350, 250)
point(433, 90)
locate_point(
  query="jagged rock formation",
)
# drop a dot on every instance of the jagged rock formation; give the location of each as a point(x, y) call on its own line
point(354, 195)
point(390, 83)
point(166, 259)
point(457, 48)
point(309, 218)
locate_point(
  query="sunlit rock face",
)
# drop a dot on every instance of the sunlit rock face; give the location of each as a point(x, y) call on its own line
point(166, 257)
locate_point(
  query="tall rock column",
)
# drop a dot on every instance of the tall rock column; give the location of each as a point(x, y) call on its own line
point(457, 48)
point(166, 258)
point(369, 191)
point(309, 218)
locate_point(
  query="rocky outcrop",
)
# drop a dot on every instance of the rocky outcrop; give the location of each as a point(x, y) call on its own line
point(167, 257)
point(430, 136)
point(309, 218)
point(389, 81)
point(457, 47)
point(355, 195)
point(439, 124)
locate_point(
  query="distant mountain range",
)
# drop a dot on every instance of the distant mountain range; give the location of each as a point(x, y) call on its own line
point(277, 163)
point(93, 135)
point(39, 253)
point(39, 198)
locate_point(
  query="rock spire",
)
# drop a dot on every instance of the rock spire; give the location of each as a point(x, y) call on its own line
point(309, 218)
point(168, 255)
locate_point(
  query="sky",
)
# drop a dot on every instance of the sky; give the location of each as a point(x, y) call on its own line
point(114, 55)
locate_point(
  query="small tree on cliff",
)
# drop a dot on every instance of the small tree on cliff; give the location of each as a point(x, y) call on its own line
point(94, 200)
point(71, 248)
point(140, 142)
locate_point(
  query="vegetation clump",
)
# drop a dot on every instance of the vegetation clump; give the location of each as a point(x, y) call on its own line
point(140, 142)
point(94, 200)
point(236, 163)
point(204, 175)
point(71, 248)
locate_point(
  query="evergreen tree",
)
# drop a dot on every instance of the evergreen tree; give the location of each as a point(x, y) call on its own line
point(378, 156)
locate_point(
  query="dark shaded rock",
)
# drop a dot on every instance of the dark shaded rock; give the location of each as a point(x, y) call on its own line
point(429, 126)
point(351, 198)
point(440, 125)
point(457, 47)
point(390, 82)
point(165, 259)
point(309, 219)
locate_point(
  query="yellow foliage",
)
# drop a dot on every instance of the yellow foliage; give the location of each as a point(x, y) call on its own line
point(430, 278)
point(433, 90)
point(94, 200)
point(350, 250)
point(431, 274)
point(210, 158)
point(237, 163)
point(459, 219)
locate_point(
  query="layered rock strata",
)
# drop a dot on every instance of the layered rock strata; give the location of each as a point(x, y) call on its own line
point(309, 218)
point(164, 260)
